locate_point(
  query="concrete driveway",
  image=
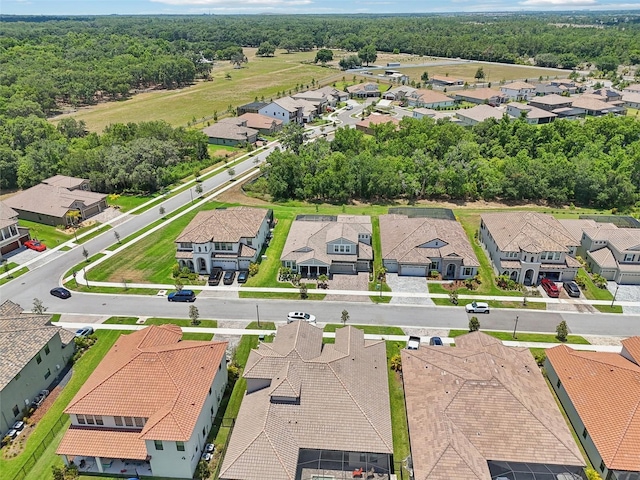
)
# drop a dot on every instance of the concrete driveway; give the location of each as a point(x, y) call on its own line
point(408, 284)
point(348, 282)
point(630, 293)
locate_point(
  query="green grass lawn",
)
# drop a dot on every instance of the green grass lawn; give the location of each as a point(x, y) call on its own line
point(181, 322)
point(81, 371)
point(73, 285)
point(83, 264)
point(399, 426)
point(15, 274)
point(47, 234)
point(129, 202)
point(95, 233)
point(445, 302)
point(372, 329)
point(590, 290)
point(206, 337)
point(525, 337)
point(377, 263)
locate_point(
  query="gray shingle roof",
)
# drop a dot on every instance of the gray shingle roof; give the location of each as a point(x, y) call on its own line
point(224, 225)
point(51, 200)
point(229, 130)
point(8, 216)
point(349, 377)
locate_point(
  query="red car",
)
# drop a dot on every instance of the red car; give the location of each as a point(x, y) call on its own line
point(550, 287)
point(35, 245)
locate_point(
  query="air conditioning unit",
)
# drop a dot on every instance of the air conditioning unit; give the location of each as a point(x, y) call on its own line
point(57, 367)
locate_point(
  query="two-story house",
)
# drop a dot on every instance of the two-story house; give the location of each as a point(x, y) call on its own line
point(323, 245)
point(230, 238)
point(518, 91)
point(34, 353)
point(398, 93)
point(613, 252)
point(148, 407)
point(530, 114)
point(364, 90)
point(429, 99)
point(286, 109)
point(526, 246)
point(12, 236)
point(416, 246)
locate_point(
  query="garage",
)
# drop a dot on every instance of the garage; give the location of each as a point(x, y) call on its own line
point(413, 270)
point(629, 279)
point(346, 268)
point(225, 264)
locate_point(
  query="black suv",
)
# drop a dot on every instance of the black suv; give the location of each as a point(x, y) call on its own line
point(215, 276)
point(229, 276)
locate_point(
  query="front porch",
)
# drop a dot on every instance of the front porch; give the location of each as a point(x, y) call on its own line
point(110, 466)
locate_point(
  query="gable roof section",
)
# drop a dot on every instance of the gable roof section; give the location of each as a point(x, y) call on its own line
point(480, 113)
point(64, 181)
point(224, 225)
point(531, 232)
point(51, 200)
point(8, 216)
point(518, 86)
point(613, 421)
point(349, 377)
point(174, 375)
point(375, 119)
point(430, 96)
point(402, 236)
point(631, 346)
point(620, 238)
point(480, 401)
point(229, 129)
point(480, 93)
point(258, 121)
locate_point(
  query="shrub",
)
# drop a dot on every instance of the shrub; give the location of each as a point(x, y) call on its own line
point(303, 291)
point(176, 271)
point(540, 358)
point(474, 324)
point(581, 282)
point(396, 363)
point(254, 268)
point(434, 273)
point(453, 297)
point(562, 331)
point(599, 281)
point(233, 373)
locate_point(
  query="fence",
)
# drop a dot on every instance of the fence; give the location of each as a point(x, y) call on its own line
point(621, 221)
point(229, 424)
point(424, 212)
point(42, 446)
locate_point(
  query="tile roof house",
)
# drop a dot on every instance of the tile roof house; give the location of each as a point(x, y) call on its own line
point(633, 88)
point(364, 90)
point(398, 93)
point(481, 96)
point(483, 411)
point(230, 238)
point(517, 91)
point(478, 114)
point(313, 410)
point(530, 114)
point(416, 246)
point(148, 406)
point(528, 245)
point(612, 252)
point(600, 392)
point(595, 106)
point(631, 100)
point(339, 95)
point(434, 114)
point(429, 99)
point(551, 102)
point(288, 109)
point(253, 107)
point(231, 131)
point(51, 203)
point(34, 353)
point(323, 245)
point(262, 123)
point(376, 119)
point(12, 236)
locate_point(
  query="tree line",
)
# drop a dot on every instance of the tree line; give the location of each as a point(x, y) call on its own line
point(592, 163)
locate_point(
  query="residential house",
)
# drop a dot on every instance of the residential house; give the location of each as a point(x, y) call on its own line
point(253, 107)
point(607, 424)
point(34, 354)
point(231, 132)
point(592, 106)
point(429, 99)
point(551, 102)
point(320, 100)
point(606, 95)
point(530, 114)
point(313, 410)
point(364, 90)
point(435, 115)
point(613, 252)
point(444, 81)
point(558, 86)
point(518, 91)
point(528, 245)
point(481, 96)
point(230, 238)
point(417, 246)
point(338, 95)
point(262, 123)
point(12, 236)
point(398, 93)
point(323, 245)
point(368, 123)
point(483, 411)
point(478, 114)
point(52, 204)
point(631, 100)
point(148, 406)
point(633, 88)
point(285, 109)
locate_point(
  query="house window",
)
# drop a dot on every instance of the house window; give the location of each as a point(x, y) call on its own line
point(559, 383)
point(250, 242)
point(128, 421)
point(38, 359)
point(90, 420)
point(118, 421)
point(180, 446)
point(210, 389)
point(99, 420)
point(46, 349)
point(584, 433)
point(16, 410)
point(204, 433)
point(158, 444)
point(17, 376)
point(434, 266)
point(629, 257)
point(47, 374)
point(139, 422)
point(223, 246)
point(81, 419)
point(602, 466)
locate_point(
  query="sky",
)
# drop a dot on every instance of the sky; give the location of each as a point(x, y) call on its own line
point(222, 7)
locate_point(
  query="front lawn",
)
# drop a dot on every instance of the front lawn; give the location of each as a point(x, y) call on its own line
point(15, 274)
point(181, 322)
point(129, 202)
point(377, 264)
point(47, 234)
point(371, 329)
point(590, 290)
point(525, 337)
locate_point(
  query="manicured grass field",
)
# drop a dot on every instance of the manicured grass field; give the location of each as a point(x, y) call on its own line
point(95, 233)
point(590, 290)
point(129, 202)
point(494, 73)
point(525, 337)
point(372, 329)
point(47, 234)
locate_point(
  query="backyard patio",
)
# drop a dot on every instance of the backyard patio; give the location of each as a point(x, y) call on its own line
point(113, 466)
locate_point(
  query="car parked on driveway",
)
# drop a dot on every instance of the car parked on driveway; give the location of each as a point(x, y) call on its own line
point(437, 341)
point(243, 275)
point(229, 276)
point(209, 448)
point(572, 289)
point(477, 307)
point(35, 245)
point(307, 317)
point(182, 296)
point(413, 343)
point(550, 287)
point(84, 332)
point(60, 292)
point(215, 276)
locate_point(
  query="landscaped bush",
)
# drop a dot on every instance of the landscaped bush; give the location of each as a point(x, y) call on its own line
point(434, 274)
point(540, 358)
point(505, 283)
point(599, 281)
point(474, 324)
point(254, 268)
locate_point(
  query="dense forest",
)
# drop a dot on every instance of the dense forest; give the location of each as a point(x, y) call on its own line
point(595, 163)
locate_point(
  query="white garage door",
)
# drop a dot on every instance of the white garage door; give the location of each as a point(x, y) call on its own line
point(413, 270)
point(225, 264)
point(629, 279)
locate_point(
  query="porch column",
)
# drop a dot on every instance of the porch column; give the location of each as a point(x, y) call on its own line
point(65, 460)
point(99, 464)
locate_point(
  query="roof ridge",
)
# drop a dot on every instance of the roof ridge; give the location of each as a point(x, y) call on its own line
point(636, 411)
point(632, 368)
point(407, 236)
point(278, 453)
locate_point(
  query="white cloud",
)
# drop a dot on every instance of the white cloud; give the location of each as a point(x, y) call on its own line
point(558, 3)
point(223, 4)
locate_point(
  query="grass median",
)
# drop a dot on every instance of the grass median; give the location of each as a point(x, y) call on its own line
point(526, 337)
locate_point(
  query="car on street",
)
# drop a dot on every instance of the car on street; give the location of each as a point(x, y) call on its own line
point(84, 332)
point(35, 245)
point(435, 341)
point(550, 287)
point(182, 296)
point(229, 276)
point(572, 289)
point(307, 317)
point(60, 292)
point(349, 107)
point(215, 276)
point(243, 275)
point(477, 307)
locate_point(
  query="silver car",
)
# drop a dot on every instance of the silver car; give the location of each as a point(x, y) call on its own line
point(477, 307)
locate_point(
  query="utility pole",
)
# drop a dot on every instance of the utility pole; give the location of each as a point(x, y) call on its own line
point(615, 295)
point(258, 315)
point(515, 328)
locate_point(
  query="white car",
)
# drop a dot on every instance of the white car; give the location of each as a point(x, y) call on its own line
point(477, 307)
point(307, 317)
point(207, 457)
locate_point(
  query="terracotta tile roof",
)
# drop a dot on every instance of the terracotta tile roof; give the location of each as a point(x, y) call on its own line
point(362, 87)
point(103, 442)
point(551, 100)
point(230, 131)
point(621, 238)
point(604, 258)
point(377, 120)
point(612, 421)
point(477, 402)
point(480, 94)
point(633, 88)
point(429, 96)
point(632, 347)
point(257, 121)
point(529, 231)
point(51, 200)
point(223, 225)
point(403, 239)
point(531, 111)
point(349, 377)
point(175, 376)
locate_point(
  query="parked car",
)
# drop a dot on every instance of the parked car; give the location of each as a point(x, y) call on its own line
point(477, 307)
point(550, 287)
point(182, 296)
point(35, 245)
point(229, 276)
point(435, 341)
point(293, 316)
point(413, 343)
point(572, 289)
point(84, 332)
point(262, 139)
point(209, 448)
point(215, 276)
point(349, 107)
point(60, 292)
point(243, 275)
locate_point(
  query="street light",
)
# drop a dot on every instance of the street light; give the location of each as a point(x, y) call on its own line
point(258, 315)
point(515, 328)
point(191, 194)
point(614, 295)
